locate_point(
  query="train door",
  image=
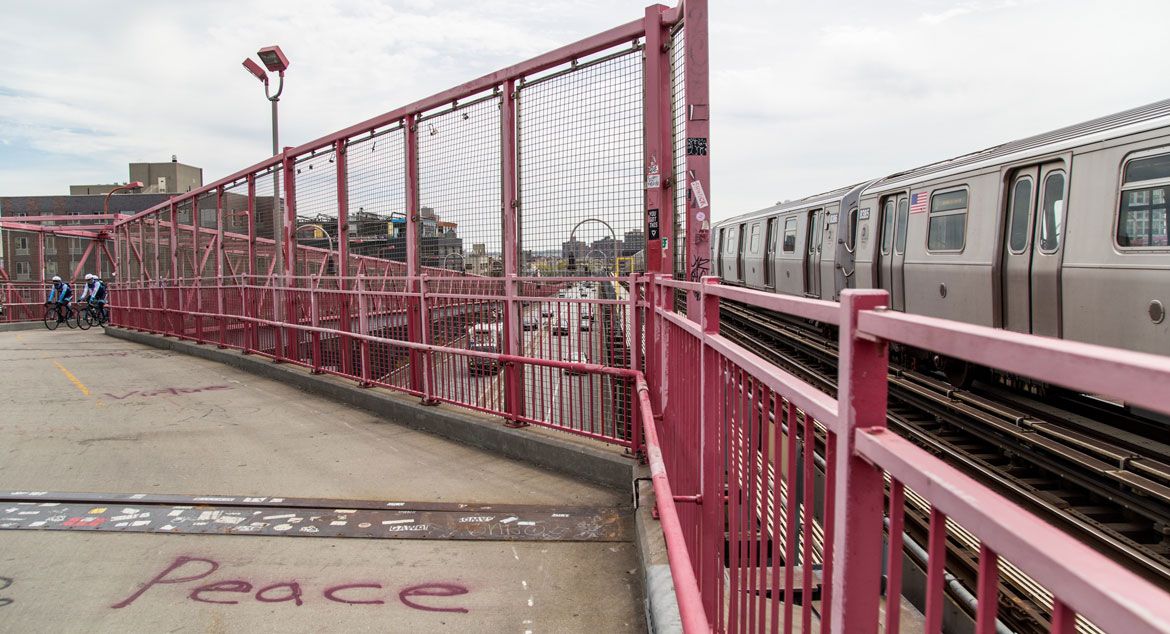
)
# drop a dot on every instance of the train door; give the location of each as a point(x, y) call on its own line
point(1030, 275)
point(770, 255)
point(739, 254)
point(719, 253)
point(812, 261)
point(892, 255)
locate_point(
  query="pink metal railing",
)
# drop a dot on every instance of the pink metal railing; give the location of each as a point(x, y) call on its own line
point(22, 301)
point(363, 334)
point(782, 489)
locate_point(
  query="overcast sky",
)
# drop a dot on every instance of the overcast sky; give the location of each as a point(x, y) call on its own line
point(806, 96)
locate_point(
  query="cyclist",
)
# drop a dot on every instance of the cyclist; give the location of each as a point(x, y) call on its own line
point(95, 290)
point(61, 294)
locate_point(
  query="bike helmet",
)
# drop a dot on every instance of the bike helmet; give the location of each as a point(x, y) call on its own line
point(56, 278)
point(89, 276)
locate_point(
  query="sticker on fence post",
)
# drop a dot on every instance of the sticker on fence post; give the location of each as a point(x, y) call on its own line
point(652, 223)
point(700, 195)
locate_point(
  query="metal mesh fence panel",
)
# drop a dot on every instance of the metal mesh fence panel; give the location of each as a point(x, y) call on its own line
point(376, 180)
point(316, 204)
point(235, 231)
point(678, 100)
point(266, 205)
point(580, 138)
point(460, 211)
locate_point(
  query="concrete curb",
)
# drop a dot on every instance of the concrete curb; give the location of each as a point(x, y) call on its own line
point(566, 457)
point(17, 326)
point(662, 616)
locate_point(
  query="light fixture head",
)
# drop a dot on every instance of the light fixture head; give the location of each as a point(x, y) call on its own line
point(273, 58)
point(254, 68)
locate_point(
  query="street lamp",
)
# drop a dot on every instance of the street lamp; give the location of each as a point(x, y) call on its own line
point(126, 187)
point(276, 62)
point(612, 233)
point(462, 260)
point(322, 229)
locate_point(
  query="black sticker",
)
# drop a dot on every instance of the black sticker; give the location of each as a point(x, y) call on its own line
point(697, 146)
point(652, 223)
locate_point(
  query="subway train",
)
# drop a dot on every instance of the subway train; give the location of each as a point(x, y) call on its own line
point(1062, 234)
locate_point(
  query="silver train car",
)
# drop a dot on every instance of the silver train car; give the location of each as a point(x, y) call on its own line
point(1062, 234)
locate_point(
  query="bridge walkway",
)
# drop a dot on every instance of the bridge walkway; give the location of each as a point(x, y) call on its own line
point(197, 475)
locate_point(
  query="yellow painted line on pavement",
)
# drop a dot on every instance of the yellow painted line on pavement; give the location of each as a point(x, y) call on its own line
point(72, 379)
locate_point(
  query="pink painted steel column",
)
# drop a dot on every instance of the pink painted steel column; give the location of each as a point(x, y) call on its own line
point(289, 246)
point(414, 325)
point(341, 152)
point(657, 147)
point(196, 269)
point(513, 373)
point(41, 255)
point(173, 297)
point(860, 499)
point(219, 261)
point(698, 163)
point(711, 465)
point(247, 294)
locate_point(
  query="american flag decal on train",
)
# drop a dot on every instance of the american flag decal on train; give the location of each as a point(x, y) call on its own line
point(918, 202)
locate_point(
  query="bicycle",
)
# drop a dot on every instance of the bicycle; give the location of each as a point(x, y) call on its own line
point(92, 315)
point(53, 316)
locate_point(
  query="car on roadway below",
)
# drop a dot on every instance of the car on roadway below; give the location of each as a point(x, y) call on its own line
point(559, 329)
point(586, 323)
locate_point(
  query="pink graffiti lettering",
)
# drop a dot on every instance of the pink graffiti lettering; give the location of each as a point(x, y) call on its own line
point(426, 597)
point(170, 391)
point(162, 577)
point(234, 585)
point(294, 593)
point(431, 590)
point(331, 593)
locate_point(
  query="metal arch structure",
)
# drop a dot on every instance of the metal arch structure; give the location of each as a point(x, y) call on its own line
point(612, 234)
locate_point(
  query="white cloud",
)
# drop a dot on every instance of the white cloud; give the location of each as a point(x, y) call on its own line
point(805, 96)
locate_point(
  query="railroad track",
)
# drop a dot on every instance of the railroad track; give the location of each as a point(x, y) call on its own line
point(1081, 462)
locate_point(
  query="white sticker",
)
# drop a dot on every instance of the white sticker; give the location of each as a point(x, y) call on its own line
point(700, 197)
point(700, 216)
point(654, 181)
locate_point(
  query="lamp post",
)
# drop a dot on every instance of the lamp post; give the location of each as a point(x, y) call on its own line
point(462, 260)
point(120, 188)
point(322, 229)
point(276, 62)
point(612, 233)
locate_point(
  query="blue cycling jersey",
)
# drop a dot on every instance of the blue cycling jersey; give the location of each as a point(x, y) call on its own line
point(62, 292)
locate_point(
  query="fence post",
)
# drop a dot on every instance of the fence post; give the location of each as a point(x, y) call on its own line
point(363, 328)
point(427, 357)
point(657, 136)
point(711, 463)
point(860, 497)
point(634, 345)
point(315, 321)
point(278, 334)
point(219, 261)
point(513, 373)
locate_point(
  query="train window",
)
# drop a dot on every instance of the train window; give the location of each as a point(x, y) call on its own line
point(851, 230)
point(1021, 211)
point(1051, 222)
point(887, 226)
point(948, 221)
point(814, 231)
point(755, 240)
point(790, 235)
point(730, 241)
point(1141, 217)
point(900, 227)
point(1148, 169)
